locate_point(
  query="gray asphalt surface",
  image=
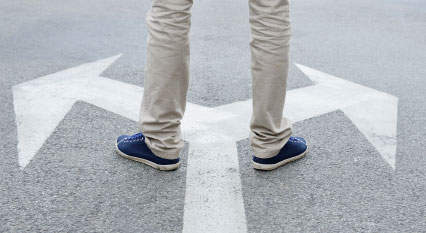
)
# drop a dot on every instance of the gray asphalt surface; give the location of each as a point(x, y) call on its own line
point(76, 182)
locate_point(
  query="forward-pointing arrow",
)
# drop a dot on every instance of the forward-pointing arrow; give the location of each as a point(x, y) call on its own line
point(213, 195)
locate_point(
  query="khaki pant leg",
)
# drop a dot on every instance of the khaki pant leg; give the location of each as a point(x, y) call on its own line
point(270, 41)
point(166, 76)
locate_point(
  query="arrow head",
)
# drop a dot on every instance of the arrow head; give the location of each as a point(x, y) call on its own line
point(40, 104)
point(373, 112)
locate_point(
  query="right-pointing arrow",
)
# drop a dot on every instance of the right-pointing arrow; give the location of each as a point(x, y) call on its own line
point(373, 112)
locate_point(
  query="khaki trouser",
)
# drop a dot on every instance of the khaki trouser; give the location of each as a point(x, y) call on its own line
point(167, 75)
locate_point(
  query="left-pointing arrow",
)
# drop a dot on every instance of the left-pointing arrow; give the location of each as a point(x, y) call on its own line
point(42, 103)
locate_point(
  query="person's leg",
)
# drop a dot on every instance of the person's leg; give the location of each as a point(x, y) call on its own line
point(166, 76)
point(270, 41)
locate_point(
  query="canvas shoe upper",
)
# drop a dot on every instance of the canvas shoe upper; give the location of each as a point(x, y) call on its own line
point(294, 149)
point(134, 148)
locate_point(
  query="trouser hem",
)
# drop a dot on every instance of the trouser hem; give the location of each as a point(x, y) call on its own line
point(269, 153)
point(266, 154)
point(162, 154)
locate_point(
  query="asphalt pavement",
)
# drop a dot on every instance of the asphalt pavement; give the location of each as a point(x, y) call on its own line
point(75, 182)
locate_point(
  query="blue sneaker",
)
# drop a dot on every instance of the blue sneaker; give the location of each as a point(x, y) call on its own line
point(294, 149)
point(134, 148)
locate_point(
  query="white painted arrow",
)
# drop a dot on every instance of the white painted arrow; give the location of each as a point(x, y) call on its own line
point(373, 112)
point(213, 200)
point(42, 103)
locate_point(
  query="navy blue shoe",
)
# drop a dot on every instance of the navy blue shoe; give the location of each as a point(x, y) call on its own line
point(294, 149)
point(134, 148)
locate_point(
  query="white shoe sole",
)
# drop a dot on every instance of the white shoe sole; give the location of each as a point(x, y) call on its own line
point(268, 167)
point(147, 162)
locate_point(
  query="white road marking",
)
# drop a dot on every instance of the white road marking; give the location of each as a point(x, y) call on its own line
point(42, 103)
point(373, 112)
point(213, 200)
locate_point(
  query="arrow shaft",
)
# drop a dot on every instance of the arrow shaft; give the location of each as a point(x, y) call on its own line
point(115, 96)
point(213, 199)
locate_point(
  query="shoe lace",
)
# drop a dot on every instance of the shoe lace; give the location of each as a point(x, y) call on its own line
point(294, 139)
point(136, 136)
